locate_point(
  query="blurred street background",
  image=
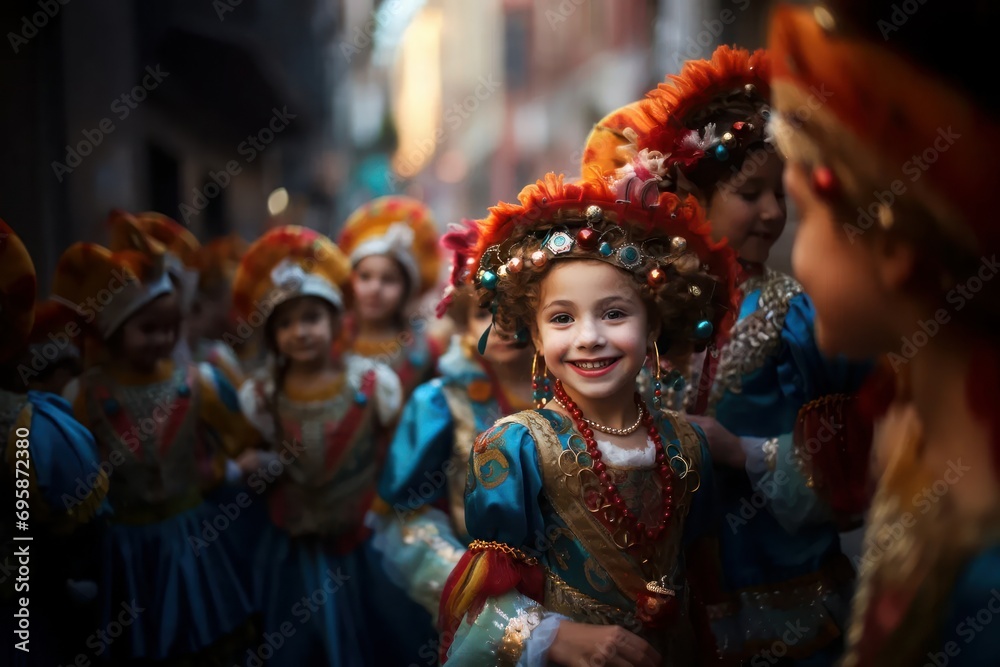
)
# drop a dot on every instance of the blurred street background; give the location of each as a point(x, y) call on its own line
point(237, 115)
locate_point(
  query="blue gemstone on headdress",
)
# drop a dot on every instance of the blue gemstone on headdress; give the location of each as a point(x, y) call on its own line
point(559, 243)
point(629, 256)
point(605, 249)
point(721, 152)
point(703, 329)
point(489, 280)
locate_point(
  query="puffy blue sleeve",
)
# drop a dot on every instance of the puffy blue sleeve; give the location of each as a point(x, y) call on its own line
point(502, 504)
point(502, 498)
point(967, 638)
point(794, 374)
point(64, 466)
point(414, 471)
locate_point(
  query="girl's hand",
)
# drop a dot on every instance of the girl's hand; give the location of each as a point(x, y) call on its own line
point(249, 461)
point(583, 644)
point(725, 447)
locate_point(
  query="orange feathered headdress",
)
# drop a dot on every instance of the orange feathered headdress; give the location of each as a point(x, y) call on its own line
point(401, 227)
point(886, 117)
point(105, 288)
point(180, 245)
point(662, 240)
point(289, 262)
point(17, 293)
point(218, 260)
point(56, 334)
point(666, 131)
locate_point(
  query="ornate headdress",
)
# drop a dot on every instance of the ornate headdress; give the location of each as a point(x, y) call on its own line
point(670, 133)
point(55, 336)
point(218, 260)
point(662, 241)
point(289, 262)
point(105, 288)
point(181, 246)
point(400, 227)
point(17, 293)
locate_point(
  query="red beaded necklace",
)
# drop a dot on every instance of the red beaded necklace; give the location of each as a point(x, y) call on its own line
point(609, 490)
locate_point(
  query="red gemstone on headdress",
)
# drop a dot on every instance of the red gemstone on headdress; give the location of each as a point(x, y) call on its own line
point(824, 182)
point(739, 125)
point(587, 239)
point(656, 277)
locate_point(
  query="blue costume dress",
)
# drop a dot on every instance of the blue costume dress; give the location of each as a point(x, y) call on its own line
point(547, 549)
point(319, 583)
point(53, 480)
point(779, 539)
point(168, 582)
point(427, 469)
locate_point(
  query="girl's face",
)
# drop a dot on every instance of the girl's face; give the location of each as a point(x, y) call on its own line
point(748, 208)
point(500, 346)
point(151, 334)
point(593, 330)
point(304, 330)
point(379, 286)
point(840, 275)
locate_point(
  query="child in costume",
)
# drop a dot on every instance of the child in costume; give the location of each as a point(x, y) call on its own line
point(54, 347)
point(579, 511)
point(182, 249)
point(326, 420)
point(908, 272)
point(392, 244)
point(165, 431)
point(214, 339)
point(428, 460)
point(705, 132)
point(50, 476)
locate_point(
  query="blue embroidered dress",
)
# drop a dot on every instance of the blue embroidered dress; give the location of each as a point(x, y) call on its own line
point(166, 437)
point(319, 583)
point(779, 541)
point(427, 468)
point(532, 490)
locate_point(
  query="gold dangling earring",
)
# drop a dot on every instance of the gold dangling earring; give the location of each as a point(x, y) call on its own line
point(541, 386)
point(657, 384)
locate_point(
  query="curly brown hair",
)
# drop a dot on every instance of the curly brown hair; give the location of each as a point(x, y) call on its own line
point(683, 277)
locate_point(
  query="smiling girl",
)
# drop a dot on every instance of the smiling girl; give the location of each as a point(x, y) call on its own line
point(392, 244)
point(579, 510)
point(705, 132)
point(326, 420)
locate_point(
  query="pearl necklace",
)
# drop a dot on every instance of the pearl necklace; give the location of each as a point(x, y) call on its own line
point(628, 430)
